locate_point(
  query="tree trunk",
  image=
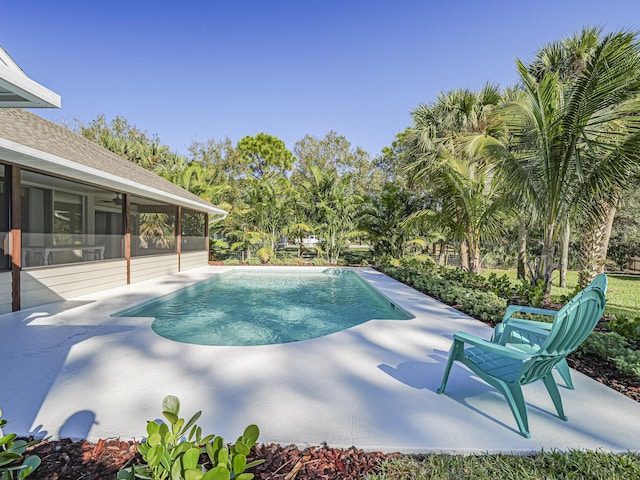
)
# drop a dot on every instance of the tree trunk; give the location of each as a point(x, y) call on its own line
point(522, 250)
point(546, 267)
point(595, 245)
point(464, 255)
point(442, 255)
point(564, 255)
point(474, 257)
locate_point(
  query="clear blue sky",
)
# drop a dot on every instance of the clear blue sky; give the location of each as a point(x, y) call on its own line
point(191, 70)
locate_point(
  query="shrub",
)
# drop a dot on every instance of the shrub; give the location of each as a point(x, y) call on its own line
point(11, 451)
point(614, 348)
point(626, 326)
point(457, 288)
point(319, 262)
point(173, 450)
point(231, 261)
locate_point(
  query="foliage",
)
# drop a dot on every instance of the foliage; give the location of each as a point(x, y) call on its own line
point(453, 287)
point(231, 261)
point(572, 138)
point(528, 294)
point(264, 156)
point(537, 466)
point(265, 254)
point(627, 326)
point(172, 450)
point(334, 210)
point(614, 348)
point(12, 466)
point(385, 221)
point(625, 239)
point(473, 206)
point(334, 154)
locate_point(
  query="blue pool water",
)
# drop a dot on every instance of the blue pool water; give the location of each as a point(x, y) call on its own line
point(262, 307)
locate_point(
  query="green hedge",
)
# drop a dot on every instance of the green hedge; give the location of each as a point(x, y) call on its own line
point(483, 305)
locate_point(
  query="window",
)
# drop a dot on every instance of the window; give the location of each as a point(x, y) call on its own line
point(153, 227)
point(68, 222)
point(193, 231)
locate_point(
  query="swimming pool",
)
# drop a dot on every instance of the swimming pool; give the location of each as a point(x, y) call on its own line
point(266, 306)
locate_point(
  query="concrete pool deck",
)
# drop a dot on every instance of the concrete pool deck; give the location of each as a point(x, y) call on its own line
point(72, 370)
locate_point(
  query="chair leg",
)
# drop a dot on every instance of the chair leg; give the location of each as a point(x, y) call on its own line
point(552, 388)
point(563, 369)
point(453, 354)
point(515, 399)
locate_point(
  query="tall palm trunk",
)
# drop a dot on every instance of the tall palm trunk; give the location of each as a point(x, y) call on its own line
point(522, 250)
point(564, 255)
point(546, 266)
point(442, 255)
point(595, 246)
point(464, 255)
point(474, 253)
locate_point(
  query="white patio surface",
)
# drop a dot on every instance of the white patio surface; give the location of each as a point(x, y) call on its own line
point(71, 370)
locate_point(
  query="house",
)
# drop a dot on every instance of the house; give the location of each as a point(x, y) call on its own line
point(76, 218)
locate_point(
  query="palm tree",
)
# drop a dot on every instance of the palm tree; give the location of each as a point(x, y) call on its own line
point(573, 141)
point(472, 204)
point(334, 209)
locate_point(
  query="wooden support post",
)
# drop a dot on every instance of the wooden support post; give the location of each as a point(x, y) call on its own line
point(126, 213)
point(206, 235)
point(15, 235)
point(179, 235)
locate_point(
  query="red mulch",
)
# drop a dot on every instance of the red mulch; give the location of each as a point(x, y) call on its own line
point(68, 460)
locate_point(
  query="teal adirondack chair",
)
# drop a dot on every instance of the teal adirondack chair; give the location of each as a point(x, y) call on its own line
point(507, 369)
point(531, 342)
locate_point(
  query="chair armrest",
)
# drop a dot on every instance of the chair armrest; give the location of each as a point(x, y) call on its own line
point(527, 333)
point(489, 346)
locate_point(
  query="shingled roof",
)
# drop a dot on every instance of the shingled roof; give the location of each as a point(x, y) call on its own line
point(34, 142)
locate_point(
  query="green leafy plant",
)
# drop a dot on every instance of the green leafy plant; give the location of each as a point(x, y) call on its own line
point(11, 454)
point(265, 254)
point(613, 348)
point(172, 450)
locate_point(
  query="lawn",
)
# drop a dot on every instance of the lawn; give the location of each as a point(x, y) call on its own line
point(623, 293)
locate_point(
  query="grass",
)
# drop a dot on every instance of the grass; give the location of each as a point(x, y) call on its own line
point(623, 293)
point(544, 465)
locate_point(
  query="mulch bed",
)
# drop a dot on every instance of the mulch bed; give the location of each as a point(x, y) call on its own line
point(68, 460)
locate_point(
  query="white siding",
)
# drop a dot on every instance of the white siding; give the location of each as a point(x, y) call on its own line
point(145, 268)
point(5, 292)
point(191, 260)
point(53, 284)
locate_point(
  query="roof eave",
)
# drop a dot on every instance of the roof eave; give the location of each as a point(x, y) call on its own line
point(32, 158)
point(33, 94)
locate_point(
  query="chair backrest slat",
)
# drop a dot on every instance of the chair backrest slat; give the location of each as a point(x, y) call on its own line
point(572, 325)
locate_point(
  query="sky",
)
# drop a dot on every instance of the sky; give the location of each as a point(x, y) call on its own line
point(196, 70)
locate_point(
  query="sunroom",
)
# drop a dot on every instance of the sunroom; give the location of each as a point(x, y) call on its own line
point(76, 218)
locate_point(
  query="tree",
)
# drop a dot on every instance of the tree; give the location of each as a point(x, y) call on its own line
point(264, 156)
point(126, 140)
point(385, 221)
point(573, 142)
point(472, 204)
point(333, 209)
point(333, 153)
